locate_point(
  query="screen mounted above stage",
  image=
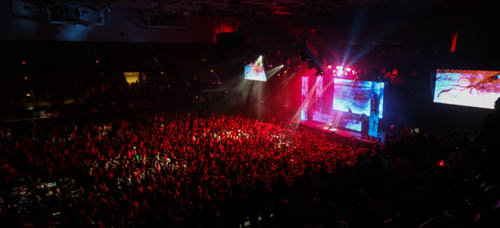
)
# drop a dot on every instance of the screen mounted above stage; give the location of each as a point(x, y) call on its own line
point(473, 88)
point(255, 72)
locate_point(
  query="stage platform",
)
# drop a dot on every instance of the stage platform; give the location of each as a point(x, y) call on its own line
point(342, 132)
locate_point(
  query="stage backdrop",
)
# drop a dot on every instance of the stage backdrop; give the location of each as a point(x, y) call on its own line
point(342, 103)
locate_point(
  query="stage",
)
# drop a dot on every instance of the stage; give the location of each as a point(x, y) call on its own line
point(343, 132)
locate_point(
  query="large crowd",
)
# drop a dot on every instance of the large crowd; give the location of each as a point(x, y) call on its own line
point(193, 170)
point(129, 166)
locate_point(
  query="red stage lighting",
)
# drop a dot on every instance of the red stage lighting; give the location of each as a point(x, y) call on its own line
point(348, 69)
point(441, 163)
point(395, 71)
point(454, 43)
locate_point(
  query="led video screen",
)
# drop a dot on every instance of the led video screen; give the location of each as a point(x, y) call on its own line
point(357, 97)
point(351, 99)
point(472, 88)
point(255, 72)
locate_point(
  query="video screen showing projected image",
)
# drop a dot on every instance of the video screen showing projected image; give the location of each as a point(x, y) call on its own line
point(473, 88)
point(351, 99)
point(255, 72)
point(357, 96)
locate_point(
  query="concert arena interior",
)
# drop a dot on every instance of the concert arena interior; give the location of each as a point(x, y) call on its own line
point(249, 113)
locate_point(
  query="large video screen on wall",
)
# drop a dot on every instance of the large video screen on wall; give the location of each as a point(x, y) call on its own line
point(255, 72)
point(357, 96)
point(473, 88)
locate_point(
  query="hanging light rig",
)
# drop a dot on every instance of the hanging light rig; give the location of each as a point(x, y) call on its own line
point(343, 71)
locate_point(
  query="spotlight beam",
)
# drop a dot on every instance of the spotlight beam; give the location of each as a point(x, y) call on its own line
point(259, 60)
point(307, 103)
point(272, 72)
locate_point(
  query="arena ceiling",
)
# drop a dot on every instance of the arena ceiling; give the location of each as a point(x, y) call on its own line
point(259, 7)
point(198, 21)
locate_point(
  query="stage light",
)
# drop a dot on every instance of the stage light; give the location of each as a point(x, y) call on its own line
point(162, 73)
point(454, 43)
point(23, 62)
point(28, 95)
point(259, 60)
point(329, 66)
point(498, 76)
point(340, 72)
point(26, 78)
point(343, 71)
point(441, 163)
point(211, 70)
point(97, 61)
point(395, 71)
